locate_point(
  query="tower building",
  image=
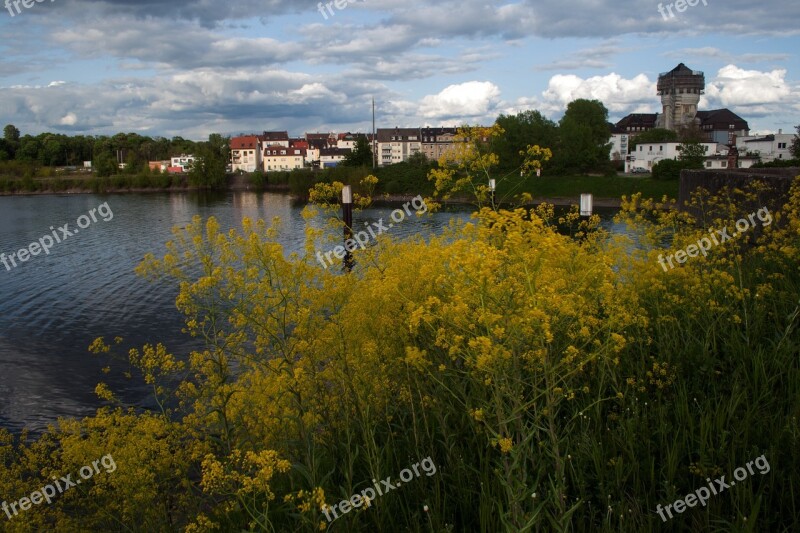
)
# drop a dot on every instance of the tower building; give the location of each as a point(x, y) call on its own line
point(680, 91)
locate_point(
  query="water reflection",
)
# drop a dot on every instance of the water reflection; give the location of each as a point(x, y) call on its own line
point(55, 305)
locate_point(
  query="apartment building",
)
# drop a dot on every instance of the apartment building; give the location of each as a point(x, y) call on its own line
point(245, 153)
point(278, 158)
point(437, 141)
point(396, 145)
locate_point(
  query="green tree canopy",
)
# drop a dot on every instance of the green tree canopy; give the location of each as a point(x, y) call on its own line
point(211, 159)
point(361, 156)
point(522, 130)
point(583, 136)
point(693, 152)
point(11, 133)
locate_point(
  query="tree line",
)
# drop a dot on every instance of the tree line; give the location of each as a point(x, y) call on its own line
point(107, 152)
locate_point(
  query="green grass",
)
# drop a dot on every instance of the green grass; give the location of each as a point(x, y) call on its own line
point(599, 186)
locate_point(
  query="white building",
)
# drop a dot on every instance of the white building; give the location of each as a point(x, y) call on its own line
point(619, 146)
point(278, 158)
point(769, 147)
point(245, 153)
point(648, 154)
point(716, 162)
point(183, 161)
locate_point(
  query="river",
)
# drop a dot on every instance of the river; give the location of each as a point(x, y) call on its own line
point(54, 304)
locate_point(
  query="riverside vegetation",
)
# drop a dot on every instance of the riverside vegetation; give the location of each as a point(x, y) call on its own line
point(558, 382)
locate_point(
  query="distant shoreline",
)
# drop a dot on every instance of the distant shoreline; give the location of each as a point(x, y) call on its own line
point(393, 198)
point(238, 184)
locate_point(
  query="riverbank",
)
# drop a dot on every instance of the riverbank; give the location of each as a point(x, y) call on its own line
point(560, 191)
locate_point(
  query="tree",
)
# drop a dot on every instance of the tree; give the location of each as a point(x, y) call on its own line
point(691, 133)
point(11, 134)
point(670, 169)
point(211, 159)
point(105, 164)
point(692, 152)
point(522, 130)
point(796, 144)
point(418, 159)
point(361, 155)
point(583, 136)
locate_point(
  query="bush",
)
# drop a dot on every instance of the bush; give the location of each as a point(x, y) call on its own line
point(779, 163)
point(258, 179)
point(670, 169)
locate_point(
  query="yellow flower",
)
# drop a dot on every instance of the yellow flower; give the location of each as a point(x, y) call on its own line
point(506, 444)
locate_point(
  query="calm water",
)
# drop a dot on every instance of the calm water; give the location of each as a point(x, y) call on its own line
point(53, 306)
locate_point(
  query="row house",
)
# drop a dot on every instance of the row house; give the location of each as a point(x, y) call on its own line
point(396, 145)
point(436, 142)
point(347, 141)
point(245, 153)
point(248, 151)
point(331, 157)
point(278, 158)
point(322, 140)
point(275, 138)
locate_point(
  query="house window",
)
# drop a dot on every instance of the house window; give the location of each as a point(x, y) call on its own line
point(781, 146)
point(708, 164)
point(724, 164)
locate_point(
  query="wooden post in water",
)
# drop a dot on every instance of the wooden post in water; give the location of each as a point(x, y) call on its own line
point(347, 214)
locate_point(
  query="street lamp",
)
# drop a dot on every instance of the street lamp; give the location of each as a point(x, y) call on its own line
point(347, 214)
point(492, 186)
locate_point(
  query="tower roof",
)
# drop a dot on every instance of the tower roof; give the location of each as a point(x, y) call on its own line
point(681, 78)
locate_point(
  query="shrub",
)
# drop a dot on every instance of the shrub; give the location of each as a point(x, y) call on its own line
point(670, 169)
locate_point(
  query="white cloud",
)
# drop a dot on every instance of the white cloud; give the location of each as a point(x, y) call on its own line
point(735, 86)
point(617, 93)
point(467, 100)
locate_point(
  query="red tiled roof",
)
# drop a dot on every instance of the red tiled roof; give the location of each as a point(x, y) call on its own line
point(247, 142)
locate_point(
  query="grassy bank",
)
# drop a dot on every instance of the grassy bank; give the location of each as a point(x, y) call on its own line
point(398, 180)
point(599, 186)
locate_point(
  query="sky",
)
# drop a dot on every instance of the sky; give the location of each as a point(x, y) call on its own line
point(190, 68)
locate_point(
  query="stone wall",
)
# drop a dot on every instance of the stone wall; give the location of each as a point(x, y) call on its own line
point(779, 180)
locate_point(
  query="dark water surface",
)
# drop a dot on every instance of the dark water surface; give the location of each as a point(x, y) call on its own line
point(54, 305)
